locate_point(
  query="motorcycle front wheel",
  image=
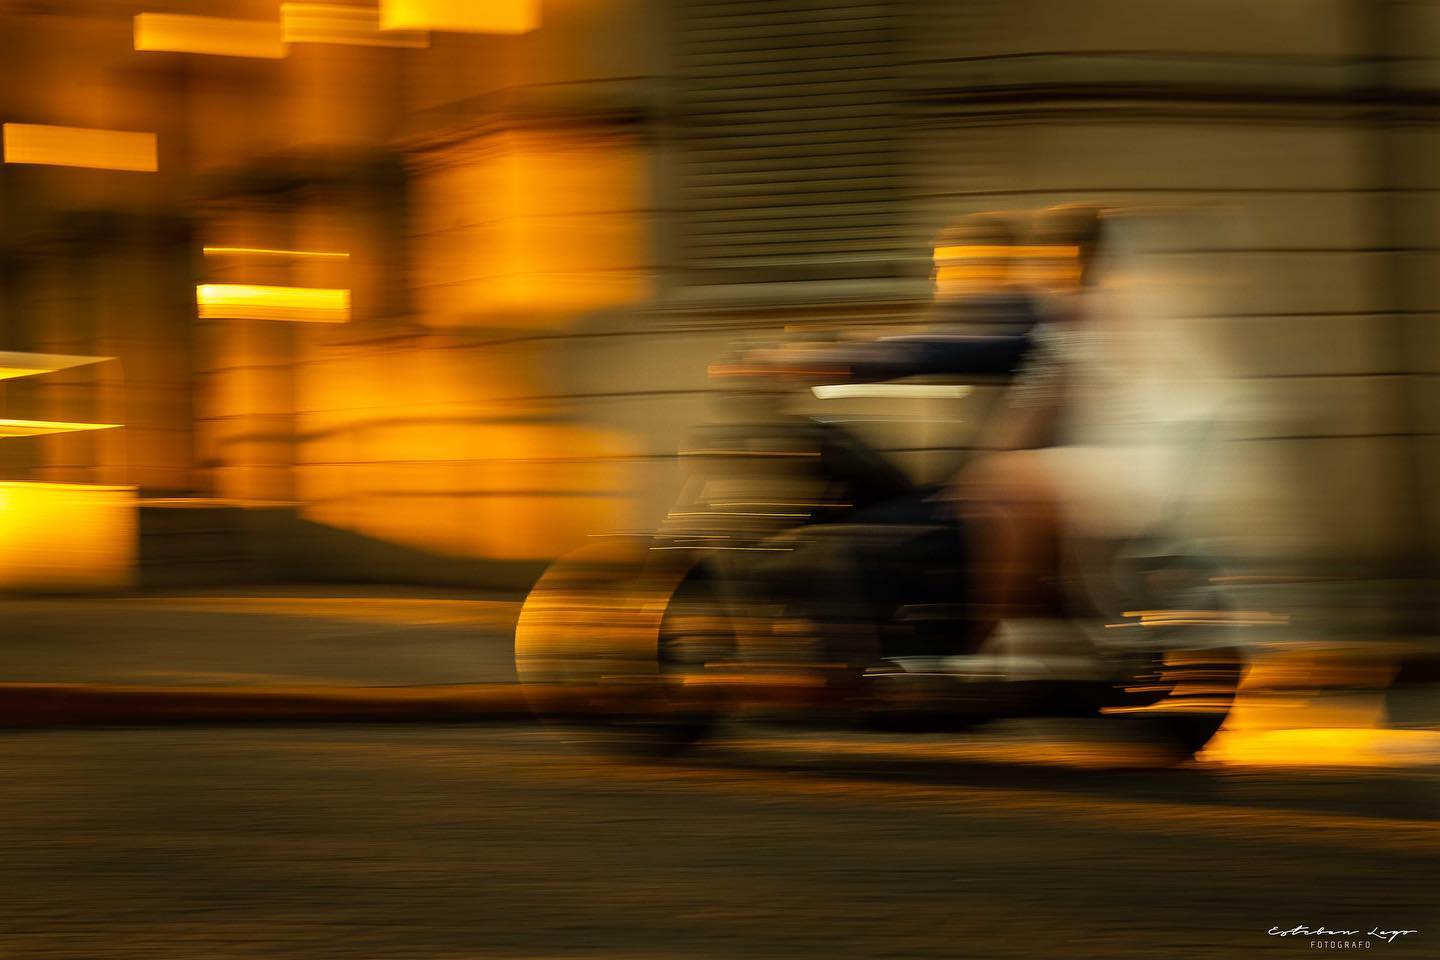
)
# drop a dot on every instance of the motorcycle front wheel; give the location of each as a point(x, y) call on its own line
point(612, 645)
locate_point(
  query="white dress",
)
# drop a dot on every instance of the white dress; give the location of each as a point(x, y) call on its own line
point(1137, 414)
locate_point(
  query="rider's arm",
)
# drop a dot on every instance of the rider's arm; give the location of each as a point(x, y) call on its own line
point(1033, 407)
point(925, 355)
point(929, 355)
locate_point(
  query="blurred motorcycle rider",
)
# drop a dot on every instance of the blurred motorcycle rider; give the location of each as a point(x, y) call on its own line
point(985, 542)
point(980, 286)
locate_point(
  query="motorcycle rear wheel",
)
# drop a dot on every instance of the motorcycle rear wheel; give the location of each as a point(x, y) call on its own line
point(1183, 697)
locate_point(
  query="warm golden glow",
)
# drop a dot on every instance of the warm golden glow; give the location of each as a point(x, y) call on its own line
point(217, 36)
point(14, 364)
point(62, 536)
point(1166, 617)
point(1004, 251)
point(456, 487)
point(962, 269)
point(268, 252)
point(1040, 274)
point(80, 147)
point(345, 24)
point(466, 16)
point(245, 301)
point(544, 223)
point(970, 272)
point(1370, 746)
point(976, 277)
point(39, 428)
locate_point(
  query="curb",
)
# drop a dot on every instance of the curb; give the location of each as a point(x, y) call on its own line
point(69, 705)
point(100, 704)
point(30, 705)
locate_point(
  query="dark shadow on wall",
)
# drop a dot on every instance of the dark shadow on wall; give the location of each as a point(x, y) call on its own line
point(233, 544)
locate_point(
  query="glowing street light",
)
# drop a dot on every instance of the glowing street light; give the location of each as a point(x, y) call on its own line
point(462, 16)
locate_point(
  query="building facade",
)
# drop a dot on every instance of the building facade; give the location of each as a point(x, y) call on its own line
point(546, 236)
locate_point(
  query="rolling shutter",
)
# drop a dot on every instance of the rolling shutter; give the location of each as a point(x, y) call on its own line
point(789, 166)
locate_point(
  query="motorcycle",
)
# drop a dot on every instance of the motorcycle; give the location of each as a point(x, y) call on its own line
point(747, 604)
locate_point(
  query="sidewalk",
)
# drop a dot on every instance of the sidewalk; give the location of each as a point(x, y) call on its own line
point(281, 654)
point(349, 653)
point(269, 637)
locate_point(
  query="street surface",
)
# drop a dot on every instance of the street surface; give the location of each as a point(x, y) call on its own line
point(390, 842)
point(504, 841)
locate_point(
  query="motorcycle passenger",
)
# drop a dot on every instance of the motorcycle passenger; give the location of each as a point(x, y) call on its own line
point(1008, 496)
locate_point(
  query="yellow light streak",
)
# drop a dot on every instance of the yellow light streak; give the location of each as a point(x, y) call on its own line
point(751, 680)
point(40, 428)
point(1210, 614)
point(1174, 706)
point(916, 391)
point(343, 24)
point(1005, 251)
point(269, 252)
point(215, 36)
point(67, 537)
point(465, 16)
point(244, 301)
point(80, 147)
point(954, 278)
point(1323, 746)
point(13, 364)
point(970, 271)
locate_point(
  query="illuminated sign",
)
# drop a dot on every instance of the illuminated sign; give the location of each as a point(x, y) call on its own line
point(341, 23)
point(216, 36)
point(1004, 251)
point(80, 147)
point(14, 364)
point(270, 252)
point(245, 301)
point(39, 428)
point(466, 16)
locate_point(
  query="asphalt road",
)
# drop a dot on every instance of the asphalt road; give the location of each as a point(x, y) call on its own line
point(502, 842)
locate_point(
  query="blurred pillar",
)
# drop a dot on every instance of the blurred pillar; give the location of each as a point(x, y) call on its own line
point(1398, 38)
point(245, 374)
point(788, 144)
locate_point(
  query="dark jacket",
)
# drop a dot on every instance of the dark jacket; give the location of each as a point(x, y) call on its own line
point(1000, 340)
